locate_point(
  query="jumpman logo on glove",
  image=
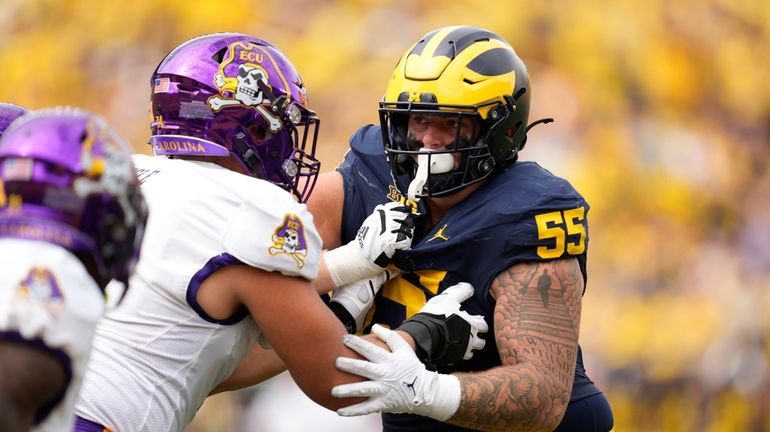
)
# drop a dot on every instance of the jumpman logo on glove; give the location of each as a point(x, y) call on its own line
point(411, 386)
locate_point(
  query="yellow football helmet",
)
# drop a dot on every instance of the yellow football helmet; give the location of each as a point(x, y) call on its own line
point(464, 72)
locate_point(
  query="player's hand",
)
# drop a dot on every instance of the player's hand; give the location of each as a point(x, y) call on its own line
point(398, 381)
point(351, 302)
point(390, 227)
point(448, 303)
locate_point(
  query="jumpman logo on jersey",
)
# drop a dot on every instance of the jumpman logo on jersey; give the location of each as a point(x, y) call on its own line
point(440, 234)
point(411, 386)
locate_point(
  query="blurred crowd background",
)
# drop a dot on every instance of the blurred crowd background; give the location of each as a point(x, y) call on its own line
point(662, 113)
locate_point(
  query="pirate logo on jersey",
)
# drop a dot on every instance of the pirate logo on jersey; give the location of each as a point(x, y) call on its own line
point(40, 286)
point(289, 239)
point(243, 81)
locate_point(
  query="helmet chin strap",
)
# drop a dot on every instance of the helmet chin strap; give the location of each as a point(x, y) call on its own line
point(428, 164)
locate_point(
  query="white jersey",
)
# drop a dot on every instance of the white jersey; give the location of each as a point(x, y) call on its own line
point(158, 355)
point(47, 298)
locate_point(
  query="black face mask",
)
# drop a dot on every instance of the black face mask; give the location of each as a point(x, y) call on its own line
point(438, 183)
point(475, 163)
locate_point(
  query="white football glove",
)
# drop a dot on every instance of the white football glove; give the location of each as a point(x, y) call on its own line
point(358, 297)
point(388, 228)
point(448, 303)
point(399, 382)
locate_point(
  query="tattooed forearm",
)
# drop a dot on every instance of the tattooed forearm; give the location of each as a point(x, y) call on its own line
point(536, 321)
point(509, 398)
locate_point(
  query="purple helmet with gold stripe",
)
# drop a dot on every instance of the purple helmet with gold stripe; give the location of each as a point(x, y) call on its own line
point(67, 178)
point(233, 95)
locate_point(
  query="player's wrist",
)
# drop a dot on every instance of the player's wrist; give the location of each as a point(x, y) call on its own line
point(407, 338)
point(443, 397)
point(347, 264)
point(438, 340)
point(343, 314)
point(426, 335)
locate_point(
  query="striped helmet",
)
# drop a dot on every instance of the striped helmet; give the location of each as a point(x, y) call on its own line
point(474, 79)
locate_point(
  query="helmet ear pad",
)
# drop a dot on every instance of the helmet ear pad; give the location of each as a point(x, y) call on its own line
point(506, 134)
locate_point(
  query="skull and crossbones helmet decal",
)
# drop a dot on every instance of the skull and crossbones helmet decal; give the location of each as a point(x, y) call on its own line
point(249, 87)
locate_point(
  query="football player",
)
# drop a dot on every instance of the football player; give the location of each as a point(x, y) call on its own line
point(230, 250)
point(453, 119)
point(71, 219)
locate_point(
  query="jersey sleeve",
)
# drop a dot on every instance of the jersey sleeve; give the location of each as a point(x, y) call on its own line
point(275, 234)
point(542, 224)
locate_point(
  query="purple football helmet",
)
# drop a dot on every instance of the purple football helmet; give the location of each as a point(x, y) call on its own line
point(68, 179)
point(9, 113)
point(231, 94)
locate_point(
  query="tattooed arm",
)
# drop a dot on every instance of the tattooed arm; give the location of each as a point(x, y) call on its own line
point(537, 319)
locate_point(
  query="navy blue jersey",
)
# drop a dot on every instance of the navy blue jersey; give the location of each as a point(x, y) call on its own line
point(522, 215)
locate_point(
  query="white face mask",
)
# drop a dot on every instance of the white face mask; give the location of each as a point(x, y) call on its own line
point(429, 164)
